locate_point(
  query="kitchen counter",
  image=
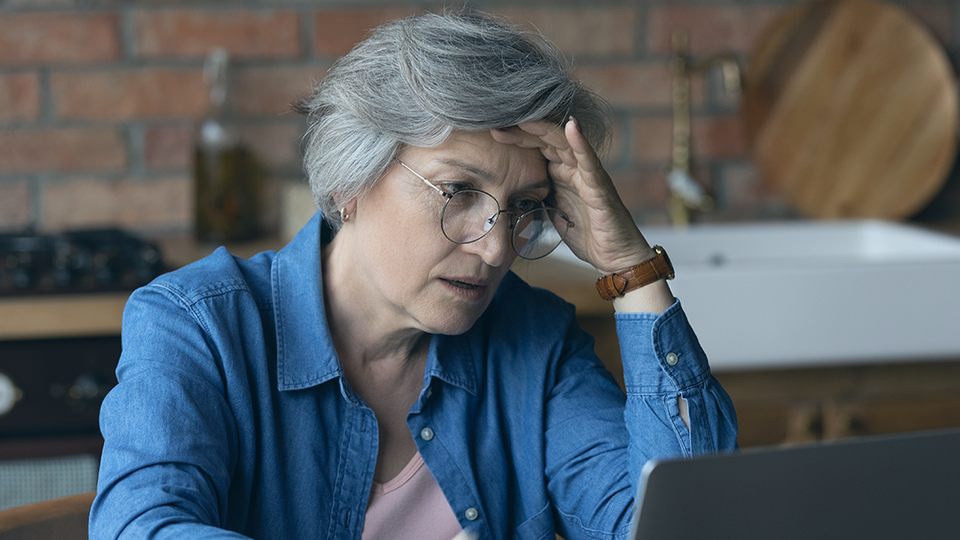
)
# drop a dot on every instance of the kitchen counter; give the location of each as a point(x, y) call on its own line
point(56, 316)
point(27, 317)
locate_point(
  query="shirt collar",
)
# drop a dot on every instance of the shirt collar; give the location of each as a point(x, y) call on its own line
point(305, 352)
point(458, 367)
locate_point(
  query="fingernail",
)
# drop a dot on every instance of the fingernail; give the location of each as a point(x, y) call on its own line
point(575, 124)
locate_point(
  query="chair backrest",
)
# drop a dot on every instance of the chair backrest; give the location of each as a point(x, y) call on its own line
point(60, 519)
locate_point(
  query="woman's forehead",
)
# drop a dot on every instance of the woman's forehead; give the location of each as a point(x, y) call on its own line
point(479, 156)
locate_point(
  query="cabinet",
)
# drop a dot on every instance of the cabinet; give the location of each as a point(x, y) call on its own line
point(796, 405)
point(780, 406)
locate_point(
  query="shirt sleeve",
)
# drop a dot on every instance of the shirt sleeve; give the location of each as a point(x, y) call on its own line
point(169, 435)
point(663, 360)
point(598, 440)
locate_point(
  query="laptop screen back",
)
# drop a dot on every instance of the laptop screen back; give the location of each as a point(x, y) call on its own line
point(896, 487)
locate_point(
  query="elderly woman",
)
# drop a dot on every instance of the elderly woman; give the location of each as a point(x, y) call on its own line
point(385, 375)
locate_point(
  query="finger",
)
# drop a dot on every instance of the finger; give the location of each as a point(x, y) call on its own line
point(586, 156)
point(553, 139)
point(549, 132)
point(523, 139)
point(568, 140)
point(517, 136)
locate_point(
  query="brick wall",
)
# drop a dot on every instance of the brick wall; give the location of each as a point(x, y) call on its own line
point(99, 98)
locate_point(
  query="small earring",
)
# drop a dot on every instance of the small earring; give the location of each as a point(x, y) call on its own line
point(344, 216)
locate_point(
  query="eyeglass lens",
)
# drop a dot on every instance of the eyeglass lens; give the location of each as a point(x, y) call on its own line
point(470, 214)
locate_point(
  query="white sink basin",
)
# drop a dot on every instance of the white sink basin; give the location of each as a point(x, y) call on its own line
point(792, 294)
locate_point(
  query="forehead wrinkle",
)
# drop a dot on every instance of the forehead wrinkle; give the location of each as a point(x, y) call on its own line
point(490, 177)
point(476, 171)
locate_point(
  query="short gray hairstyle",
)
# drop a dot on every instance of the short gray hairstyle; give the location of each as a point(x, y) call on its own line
point(415, 80)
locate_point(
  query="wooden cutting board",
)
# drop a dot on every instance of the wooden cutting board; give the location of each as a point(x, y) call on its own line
point(851, 110)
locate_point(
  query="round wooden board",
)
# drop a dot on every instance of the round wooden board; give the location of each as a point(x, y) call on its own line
point(851, 110)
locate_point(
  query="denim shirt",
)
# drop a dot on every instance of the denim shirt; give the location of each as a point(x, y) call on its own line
point(233, 418)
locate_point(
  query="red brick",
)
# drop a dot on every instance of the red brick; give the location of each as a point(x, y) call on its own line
point(712, 137)
point(19, 96)
point(581, 31)
point(120, 95)
point(652, 139)
point(192, 33)
point(66, 150)
point(90, 202)
point(275, 146)
point(718, 137)
point(49, 38)
point(41, 3)
point(636, 84)
point(710, 28)
point(15, 205)
point(614, 151)
point(168, 147)
point(642, 188)
point(269, 91)
point(337, 31)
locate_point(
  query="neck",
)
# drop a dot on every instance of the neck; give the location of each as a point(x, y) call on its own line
point(363, 332)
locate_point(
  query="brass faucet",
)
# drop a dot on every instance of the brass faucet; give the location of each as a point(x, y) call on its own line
point(686, 195)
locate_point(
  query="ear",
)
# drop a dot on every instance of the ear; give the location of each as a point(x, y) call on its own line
point(346, 208)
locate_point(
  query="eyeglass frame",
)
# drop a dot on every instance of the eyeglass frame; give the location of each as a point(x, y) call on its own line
point(512, 223)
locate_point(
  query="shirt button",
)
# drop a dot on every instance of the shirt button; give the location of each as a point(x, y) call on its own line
point(672, 359)
point(426, 434)
point(471, 514)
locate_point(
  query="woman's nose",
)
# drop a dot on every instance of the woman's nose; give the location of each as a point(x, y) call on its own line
point(495, 247)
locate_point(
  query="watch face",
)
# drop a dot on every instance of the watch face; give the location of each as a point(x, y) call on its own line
point(666, 259)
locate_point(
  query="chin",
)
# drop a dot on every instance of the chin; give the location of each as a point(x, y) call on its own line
point(450, 322)
point(452, 327)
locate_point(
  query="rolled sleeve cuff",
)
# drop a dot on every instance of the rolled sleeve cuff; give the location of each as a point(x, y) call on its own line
point(660, 353)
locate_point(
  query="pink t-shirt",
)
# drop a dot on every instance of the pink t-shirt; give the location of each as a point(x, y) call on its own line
point(409, 506)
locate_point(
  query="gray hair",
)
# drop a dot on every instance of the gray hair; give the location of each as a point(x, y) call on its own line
point(415, 80)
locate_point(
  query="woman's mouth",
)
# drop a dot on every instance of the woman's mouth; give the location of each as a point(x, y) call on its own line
point(466, 288)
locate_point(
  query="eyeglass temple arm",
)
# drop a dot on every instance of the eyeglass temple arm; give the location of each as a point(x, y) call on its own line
point(425, 181)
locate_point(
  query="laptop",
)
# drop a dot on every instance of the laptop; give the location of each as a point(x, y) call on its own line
point(901, 486)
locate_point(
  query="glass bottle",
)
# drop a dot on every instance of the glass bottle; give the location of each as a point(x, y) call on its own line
point(225, 171)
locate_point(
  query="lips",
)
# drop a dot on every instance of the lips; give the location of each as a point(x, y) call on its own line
point(465, 283)
point(468, 288)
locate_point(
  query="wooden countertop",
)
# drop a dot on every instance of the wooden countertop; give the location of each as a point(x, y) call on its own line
point(56, 316)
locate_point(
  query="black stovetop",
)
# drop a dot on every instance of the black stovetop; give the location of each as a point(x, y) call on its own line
point(98, 260)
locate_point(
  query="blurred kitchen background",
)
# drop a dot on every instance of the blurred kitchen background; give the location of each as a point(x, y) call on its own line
point(101, 107)
point(100, 99)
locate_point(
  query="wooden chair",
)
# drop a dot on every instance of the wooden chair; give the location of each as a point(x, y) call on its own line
point(57, 519)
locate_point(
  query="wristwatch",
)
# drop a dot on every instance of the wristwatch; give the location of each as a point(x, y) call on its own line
point(616, 285)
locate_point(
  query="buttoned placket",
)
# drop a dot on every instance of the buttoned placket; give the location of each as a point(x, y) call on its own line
point(460, 493)
point(358, 459)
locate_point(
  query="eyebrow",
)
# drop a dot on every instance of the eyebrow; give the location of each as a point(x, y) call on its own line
point(488, 176)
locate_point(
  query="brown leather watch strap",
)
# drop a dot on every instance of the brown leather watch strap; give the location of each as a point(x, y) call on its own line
point(616, 285)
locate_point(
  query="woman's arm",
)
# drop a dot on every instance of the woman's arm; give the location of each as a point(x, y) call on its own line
point(674, 406)
point(169, 434)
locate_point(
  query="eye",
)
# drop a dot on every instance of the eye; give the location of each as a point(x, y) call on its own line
point(525, 205)
point(453, 187)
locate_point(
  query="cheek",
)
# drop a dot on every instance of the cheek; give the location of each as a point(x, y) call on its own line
point(401, 246)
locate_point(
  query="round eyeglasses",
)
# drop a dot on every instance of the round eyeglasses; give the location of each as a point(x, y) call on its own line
point(469, 214)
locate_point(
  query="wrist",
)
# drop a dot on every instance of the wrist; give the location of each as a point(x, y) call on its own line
point(654, 269)
point(653, 298)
